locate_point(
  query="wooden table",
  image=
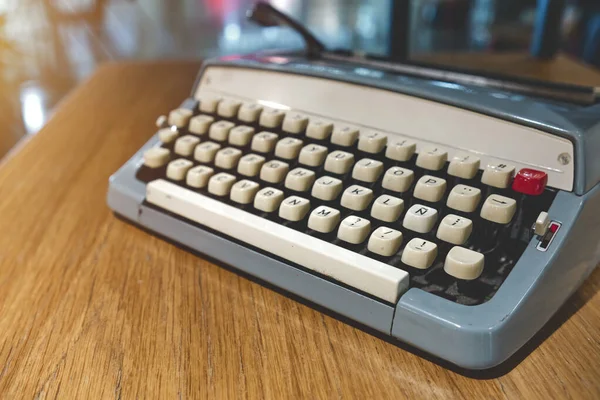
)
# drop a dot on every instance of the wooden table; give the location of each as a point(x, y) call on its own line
point(92, 307)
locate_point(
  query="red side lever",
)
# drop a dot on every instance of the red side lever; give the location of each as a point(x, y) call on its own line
point(530, 181)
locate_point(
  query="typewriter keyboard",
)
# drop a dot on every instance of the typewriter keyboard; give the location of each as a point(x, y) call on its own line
point(369, 210)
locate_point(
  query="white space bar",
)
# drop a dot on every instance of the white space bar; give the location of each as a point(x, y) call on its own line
point(368, 275)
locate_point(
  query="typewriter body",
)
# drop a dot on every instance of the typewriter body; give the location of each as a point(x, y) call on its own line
point(452, 217)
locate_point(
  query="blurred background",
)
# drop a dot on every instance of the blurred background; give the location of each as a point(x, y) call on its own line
point(47, 47)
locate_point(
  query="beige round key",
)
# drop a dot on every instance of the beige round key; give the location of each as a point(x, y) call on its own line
point(357, 198)
point(198, 176)
point(250, 164)
point(206, 152)
point(299, 179)
point(372, 141)
point(344, 135)
point(264, 142)
point(167, 135)
point(268, 199)
point(209, 103)
point(387, 208)
point(219, 131)
point(367, 170)
point(288, 148)
point(326, 188)
point(312, 155)
point(156, 157)
point(221, 183)
point(385, 241)
point(243, 192)
point(430, 188)
point(463, 263)
point(400, 149)
point(398, 179)
point(455, 229)
point(324, 219)
point(419, 253)
point(432, 158)
point(464, 198)
point(180, 117)
point(339, 162)
point(354, 229)
point(294, 122)
point(249, 112)
point(498, 175)
point(177, 169)
point(498, 209)
point(228, 157)
point(271, 118)
point(274, 171)
point(161, 121)
point(420, 218)
point(185, 145)
point(241, 135)
point(464, 166)
point(200, 124)
point(319, 129)
point(294, 208)
point(228, 108)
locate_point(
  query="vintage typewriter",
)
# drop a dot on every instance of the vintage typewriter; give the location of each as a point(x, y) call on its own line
point(452, 216)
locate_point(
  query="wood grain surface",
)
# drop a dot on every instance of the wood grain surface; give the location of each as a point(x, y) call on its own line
point(92, 307)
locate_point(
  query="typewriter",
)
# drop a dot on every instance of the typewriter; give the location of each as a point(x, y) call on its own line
point(451, 216)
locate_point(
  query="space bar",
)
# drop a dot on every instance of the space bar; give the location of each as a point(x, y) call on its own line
point(365, 274)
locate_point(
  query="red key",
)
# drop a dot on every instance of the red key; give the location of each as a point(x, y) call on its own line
point(530, 181)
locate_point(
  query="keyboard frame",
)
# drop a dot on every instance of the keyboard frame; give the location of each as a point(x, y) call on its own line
point(480, 336)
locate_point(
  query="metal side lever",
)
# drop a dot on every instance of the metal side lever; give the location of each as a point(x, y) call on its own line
point(266, 15)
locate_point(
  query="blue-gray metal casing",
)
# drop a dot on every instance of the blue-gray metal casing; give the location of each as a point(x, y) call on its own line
point(474, 337)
